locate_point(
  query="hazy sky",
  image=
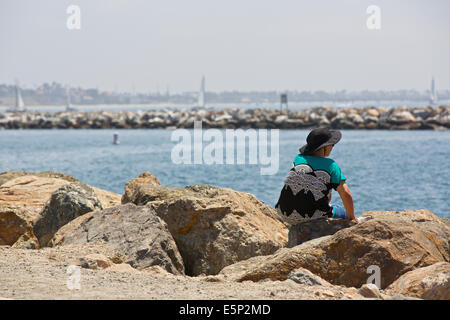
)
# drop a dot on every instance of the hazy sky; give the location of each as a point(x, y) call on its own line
point(237, 44)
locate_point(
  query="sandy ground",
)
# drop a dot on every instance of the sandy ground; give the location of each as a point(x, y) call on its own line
point(42, 274)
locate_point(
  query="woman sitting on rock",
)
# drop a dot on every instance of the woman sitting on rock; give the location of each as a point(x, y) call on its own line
point(307, 188)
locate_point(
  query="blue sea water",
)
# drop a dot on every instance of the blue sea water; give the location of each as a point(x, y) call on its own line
point(385, 170)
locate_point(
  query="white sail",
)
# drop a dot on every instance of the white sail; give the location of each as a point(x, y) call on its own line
point(201, 94)
point(68, 101)
point(433, 93)
point(67, 98)
point(19, 101)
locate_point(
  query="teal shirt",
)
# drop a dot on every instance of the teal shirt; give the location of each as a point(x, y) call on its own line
point(320, 163)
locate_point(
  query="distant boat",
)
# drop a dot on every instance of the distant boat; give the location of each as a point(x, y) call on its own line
point(201, 94)
point(20, 105)
point(68, 105)
point(433, 93)
point(116, 138)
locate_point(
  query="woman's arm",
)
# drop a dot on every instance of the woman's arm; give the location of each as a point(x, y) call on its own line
point(347, 200)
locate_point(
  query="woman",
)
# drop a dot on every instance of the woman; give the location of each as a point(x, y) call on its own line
point(307, 189)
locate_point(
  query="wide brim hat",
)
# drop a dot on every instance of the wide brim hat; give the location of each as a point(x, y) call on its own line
point(319, 138)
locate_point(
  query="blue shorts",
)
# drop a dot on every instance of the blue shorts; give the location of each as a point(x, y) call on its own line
point(339, 213)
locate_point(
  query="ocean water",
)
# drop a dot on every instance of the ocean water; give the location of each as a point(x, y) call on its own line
point(385, 170)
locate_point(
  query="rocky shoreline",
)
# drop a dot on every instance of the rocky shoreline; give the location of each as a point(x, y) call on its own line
point(205, 242)
point(382, 118)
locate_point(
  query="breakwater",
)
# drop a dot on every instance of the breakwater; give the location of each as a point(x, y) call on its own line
point(400, 118)
point(159, 237)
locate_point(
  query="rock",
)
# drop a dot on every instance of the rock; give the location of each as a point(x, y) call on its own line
point(23, 196)
point(133, 231)
point(446, 221)
point(16, 228)
point(67, 203)
point(30, 192)
point(323, 121)
point(385, 113)
point(223, 117)
point(422, 113)
point(402, 117)
point(430, 225)
point(68, 228)
point(372, 113)
point(107, 198)
point(122, 267)
point(355, 118)
point(309, 230)
point(341, 122)
point(306, 277)
point(280, 119)
point(239, 271)
point(133, 186)
point(394, 242)
point(72, 254)
point(370, 119)
point(430, 283)
point(9, 175)
point(94, 261)
point(21, 201)
point(214, 227)
point(370, 290)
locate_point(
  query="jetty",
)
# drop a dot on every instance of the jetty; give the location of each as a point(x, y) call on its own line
point(369, 118)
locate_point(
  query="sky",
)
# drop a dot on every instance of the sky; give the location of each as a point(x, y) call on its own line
point(244, 45)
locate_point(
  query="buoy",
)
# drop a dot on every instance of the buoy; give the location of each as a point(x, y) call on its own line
point(116, 138)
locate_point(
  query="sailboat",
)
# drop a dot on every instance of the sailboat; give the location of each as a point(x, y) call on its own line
point(20, 105)
point(433, 94)
point(68, 107)
point(201, 94)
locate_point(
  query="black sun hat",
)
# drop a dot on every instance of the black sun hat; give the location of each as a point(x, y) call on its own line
point(319, 138)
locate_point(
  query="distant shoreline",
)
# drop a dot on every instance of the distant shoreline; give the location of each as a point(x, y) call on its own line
point(293, 105)
point(381, 118)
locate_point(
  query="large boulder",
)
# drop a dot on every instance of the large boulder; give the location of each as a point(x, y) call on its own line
point(107, 198)
point(396, 242)
point(135, 231)
point(431, 283)
point(214, 227)
point(434, 228)
point(23, 196)
point(313, 229)
point(21, 201)
point(242, 271)
point(66, 203)
point(9, 175)
point(132, 188)
point(29, 191)
point(401, 117)
point(16, 227)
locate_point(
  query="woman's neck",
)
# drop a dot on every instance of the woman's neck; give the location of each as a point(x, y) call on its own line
point(320, 153)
